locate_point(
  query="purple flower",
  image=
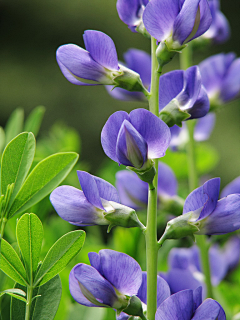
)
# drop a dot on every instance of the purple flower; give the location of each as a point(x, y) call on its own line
point(213, 216)
point(185, 270)
point(133, 192)
point(221, 77)
point(136, 138)
point(109, 281)
point(203, 213)
point(130, 12)
point(98, 64)
point(202, 131)
point(177, 22)
point(184, 91)
point(231, 188)
point(187, 305)
point(219, 30)
point(163, 292)
point(140, 62)
point(97, 204)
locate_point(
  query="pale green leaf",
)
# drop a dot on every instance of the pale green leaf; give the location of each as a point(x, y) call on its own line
point(34, 120)
point(29, 237)
point(14, 125)
point(46, 176)
point(59, 255)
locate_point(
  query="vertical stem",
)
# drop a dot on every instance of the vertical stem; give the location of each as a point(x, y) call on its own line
point(151, 229)
point(186, 62)
point(29, 302)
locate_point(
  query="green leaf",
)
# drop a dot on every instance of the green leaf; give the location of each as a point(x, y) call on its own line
point(34, 120)
point(14, 125)
point(29, 237)
point(46, 176)
point(44, 306)
point(11, 264)
point(16, 162)
point(59, 255)
point(15, 293)
point(2, 139)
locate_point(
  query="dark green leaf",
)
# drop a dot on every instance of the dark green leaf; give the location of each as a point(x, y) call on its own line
point(11, 264)
point(16, 161)
point(59, 255)
point(34, 120)
point(46, 176)
point(30, 236)
point(44, 306)
point(14, 125)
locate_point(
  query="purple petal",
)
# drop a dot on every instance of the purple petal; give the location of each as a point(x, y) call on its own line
point(213, 71)
point(159, 17)
point(128, 11)
point(209, 310)
point(121, 270)
point(123, 316)
point(205, 19)
point(177, 306)
point(170, 85)
point(181, 258)
point(231, 83)
point(101, 48)
point(201, 106)
point(167, 182)
point(133, 192)
point(68, 75)
point(155, 132)
point(72, 206)
point(218, 265)
point(91, 280)
point(225, 218)
point(197, 297)
point(184, 22)
point(163, 290)
point(76, 291)
point(182, 279)
point(95, 261)
point(140, 62)
point(231, 253)
point(222, 28)
point(131, 148)
point(78, 62)
point(110, 131)
point(191, 88)
point(90, 188)
point(106, 190)
point(204, 127)
point(231, 188)
point(205, 196)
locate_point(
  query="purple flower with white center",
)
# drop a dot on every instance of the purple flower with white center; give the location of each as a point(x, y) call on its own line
point(203, 213)
point(135, 139)
point(133, 192)
point(221, 77)
point(130, 12)
point(182, 91)
point(98, 64)
point(163, 292)
point(202, 131)
point(176, 22)
point(96, 204)
point(219, 30)
point(187, 305)
point(140, 62)
point(111, 279)
point(231, 188)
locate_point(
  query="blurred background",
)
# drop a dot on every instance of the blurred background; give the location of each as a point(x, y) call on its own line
point(32, 30)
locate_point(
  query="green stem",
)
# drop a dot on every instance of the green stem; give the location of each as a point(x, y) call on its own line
point(152, 251)
point(151, 229)
point(186, 62)
point(204, 252)
point(29, 302)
